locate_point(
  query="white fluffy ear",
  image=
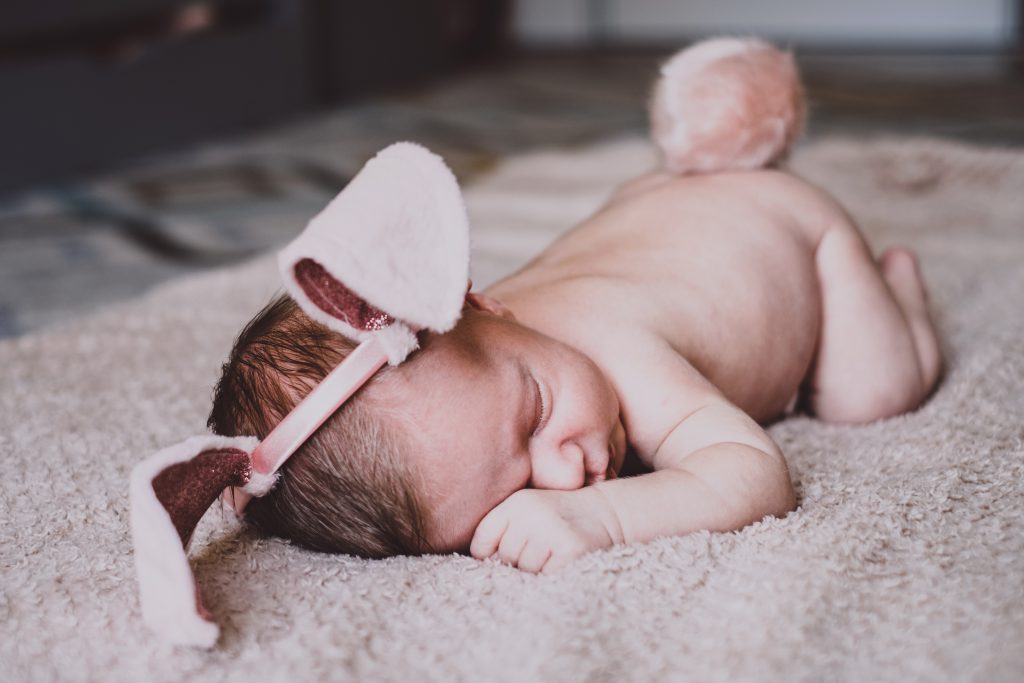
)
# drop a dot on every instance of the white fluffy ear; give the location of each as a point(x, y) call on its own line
point(392, 246)
point(169, 492)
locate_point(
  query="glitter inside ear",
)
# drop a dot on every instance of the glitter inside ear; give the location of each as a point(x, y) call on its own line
point(187, 489)
point(335, 299)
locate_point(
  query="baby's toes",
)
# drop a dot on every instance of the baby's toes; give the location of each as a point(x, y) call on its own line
point(900, 269)
point(899, 262)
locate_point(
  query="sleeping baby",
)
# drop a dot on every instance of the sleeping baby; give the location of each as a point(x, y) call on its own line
point(613, 390)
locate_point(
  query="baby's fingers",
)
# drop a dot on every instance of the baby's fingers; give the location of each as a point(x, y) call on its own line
point(512, 545)
point(566, 555)
point(534, 556)
point(488, 535)
point(557, 562)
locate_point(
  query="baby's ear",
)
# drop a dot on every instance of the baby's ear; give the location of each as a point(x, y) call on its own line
point(483, 302)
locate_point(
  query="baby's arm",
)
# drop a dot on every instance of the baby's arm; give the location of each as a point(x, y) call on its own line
point(715, 468)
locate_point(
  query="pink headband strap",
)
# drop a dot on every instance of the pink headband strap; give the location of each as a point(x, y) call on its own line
point(305, 418)
point(325, 398)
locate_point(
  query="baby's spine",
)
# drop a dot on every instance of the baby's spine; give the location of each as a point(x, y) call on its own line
point(726, 104)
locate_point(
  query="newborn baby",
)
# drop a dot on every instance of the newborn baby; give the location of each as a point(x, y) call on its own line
point(652, 340)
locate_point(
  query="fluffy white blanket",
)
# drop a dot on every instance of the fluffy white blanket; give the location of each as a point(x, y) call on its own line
point(904, 562)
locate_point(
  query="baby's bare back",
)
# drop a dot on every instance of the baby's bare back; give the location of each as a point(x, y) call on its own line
point(721, 268)
point(709, 300)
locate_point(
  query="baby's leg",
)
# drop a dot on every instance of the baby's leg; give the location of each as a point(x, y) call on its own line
point(878, 355)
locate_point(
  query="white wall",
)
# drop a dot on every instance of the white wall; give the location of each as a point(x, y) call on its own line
point(551, 21)
point(893, 23)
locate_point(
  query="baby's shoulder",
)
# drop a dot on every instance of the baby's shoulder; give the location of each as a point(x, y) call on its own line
point(577, 303)
point(656, 383)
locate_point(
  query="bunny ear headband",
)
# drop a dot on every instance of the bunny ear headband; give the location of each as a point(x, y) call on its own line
point(387, 257)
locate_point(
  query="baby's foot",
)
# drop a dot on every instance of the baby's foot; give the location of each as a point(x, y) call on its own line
point(902, 272)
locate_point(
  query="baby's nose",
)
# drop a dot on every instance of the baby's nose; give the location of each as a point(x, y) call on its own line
point(558, 467)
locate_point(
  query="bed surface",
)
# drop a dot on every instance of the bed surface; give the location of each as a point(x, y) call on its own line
point(904, 562)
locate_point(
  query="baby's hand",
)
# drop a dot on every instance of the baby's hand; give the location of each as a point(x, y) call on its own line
point(543, 530)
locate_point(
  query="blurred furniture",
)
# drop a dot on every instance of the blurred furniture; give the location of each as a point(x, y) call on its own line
point(86, 86)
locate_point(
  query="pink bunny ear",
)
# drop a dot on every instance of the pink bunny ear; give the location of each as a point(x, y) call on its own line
point(392, 246)
point(170, 491)
point(387, 257)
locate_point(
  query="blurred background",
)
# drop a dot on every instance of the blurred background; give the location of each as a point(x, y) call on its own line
point(141, 140)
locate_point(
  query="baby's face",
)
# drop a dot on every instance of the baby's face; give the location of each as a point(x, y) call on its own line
point(495, 407)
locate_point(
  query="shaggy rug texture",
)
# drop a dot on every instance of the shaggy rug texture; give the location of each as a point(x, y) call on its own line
point(904, 561)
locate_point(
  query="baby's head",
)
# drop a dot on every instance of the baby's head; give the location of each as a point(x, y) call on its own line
point(417, 457)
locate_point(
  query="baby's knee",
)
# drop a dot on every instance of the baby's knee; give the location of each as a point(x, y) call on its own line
point(860, 403)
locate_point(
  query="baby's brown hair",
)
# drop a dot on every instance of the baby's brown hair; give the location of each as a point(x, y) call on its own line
point(348, 488)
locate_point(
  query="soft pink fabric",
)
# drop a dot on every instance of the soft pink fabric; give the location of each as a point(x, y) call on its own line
point(726, 104)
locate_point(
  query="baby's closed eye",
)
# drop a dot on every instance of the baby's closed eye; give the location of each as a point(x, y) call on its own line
point(541, 408)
